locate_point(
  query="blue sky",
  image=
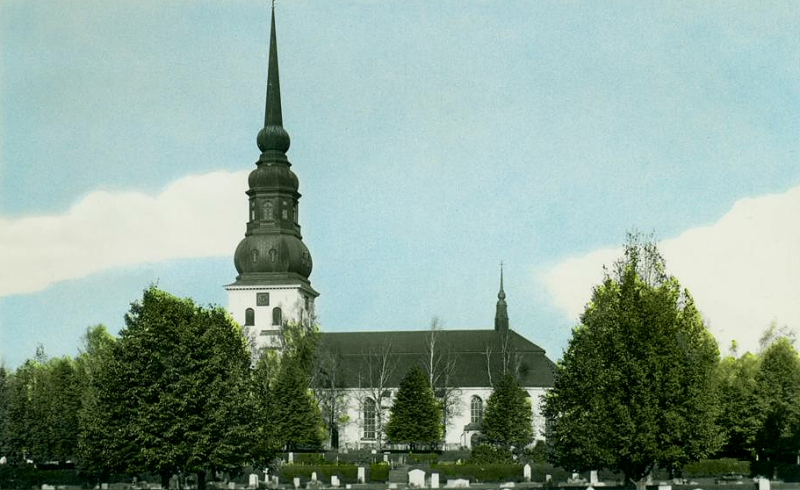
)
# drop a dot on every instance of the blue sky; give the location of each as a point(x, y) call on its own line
point(432, 140)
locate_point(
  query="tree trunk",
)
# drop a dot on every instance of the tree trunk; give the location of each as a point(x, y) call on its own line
point(201, 480)
point(165, 476)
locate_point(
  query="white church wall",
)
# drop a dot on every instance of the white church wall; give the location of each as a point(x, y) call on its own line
point(459, 428)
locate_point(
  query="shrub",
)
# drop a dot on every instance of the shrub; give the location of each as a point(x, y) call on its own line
point(416, 458)
point(379, 472)
point(488, 454)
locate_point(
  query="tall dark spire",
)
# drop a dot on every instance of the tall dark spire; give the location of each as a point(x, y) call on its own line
point(272, 250)
point(501, 313)
point(272, 136)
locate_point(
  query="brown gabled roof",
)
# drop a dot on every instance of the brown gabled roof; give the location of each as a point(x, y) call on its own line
point(474, 352)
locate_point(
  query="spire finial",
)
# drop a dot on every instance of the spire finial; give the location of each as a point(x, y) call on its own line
point(272, 136)
point(502, 294)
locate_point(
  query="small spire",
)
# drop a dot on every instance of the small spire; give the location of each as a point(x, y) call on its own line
point(501, 312)
point(272, 136)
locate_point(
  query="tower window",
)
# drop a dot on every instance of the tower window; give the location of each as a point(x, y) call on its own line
point(285, 210)
point(273, 255)
point(254, 253)
point(370, 419)
point(476, 410)
point(249, 317)
point(266, 210)
point(252, 210)
point(277, 316)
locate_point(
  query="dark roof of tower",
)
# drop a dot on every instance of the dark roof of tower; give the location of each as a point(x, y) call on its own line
point(272, 250)
point(474, 352)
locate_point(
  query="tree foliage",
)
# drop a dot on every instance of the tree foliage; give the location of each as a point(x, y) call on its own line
point(507, 420)
point(415, 418)
point(635, 387)
point(288, 415)
point(173, 392)
point(739, 412)
point(41, 403)
point(777, 395)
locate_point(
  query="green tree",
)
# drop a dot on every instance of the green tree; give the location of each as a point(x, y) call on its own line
point(174, 390)
point(415, 417)
point(777, 395)
point(507, 420)
point(42, 401)
point(3, 409)
point(291, 407)
point(635, 388)
point(739, 413)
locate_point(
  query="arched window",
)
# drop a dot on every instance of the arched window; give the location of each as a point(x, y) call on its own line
point(476, 410)
point(370, 419)
point(249, 317)
point(285, 210)
point(277, 316)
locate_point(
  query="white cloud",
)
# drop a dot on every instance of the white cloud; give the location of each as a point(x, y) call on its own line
point(196, 216)
point(743, 270)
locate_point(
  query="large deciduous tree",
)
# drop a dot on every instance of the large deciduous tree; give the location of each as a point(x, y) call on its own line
point(507, 420)
point(635, 388)
point(415, 418)
point(173, 393)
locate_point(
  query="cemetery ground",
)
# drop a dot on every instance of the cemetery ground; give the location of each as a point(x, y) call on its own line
point(376, 471)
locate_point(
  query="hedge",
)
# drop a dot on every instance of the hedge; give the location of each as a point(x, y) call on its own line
point(716, 467)
point(347, 473)
point(480, 472)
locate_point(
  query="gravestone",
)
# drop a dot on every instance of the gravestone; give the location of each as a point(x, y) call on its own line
point(291, 457)
point(548, 478)
point(526, 472)
point(104, 486)
point(253, 483)
point(508, 484)
point(334, 481)
point(457, 483)
point(385, 457)
point(361, 477)
point(593, 477)
point(3, 460)
point(665, 487)
point(48, 487)
point(434, 480)
point(231, 485)
point(313, 476)
point(296, 482)
point(763, 483)
point(416, 478)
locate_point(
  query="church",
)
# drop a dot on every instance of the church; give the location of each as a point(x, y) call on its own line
point(273, 287)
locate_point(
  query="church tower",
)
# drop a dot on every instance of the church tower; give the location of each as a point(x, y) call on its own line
point(273, 263)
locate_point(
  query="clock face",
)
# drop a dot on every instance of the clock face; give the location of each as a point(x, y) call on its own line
point(262, 299)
